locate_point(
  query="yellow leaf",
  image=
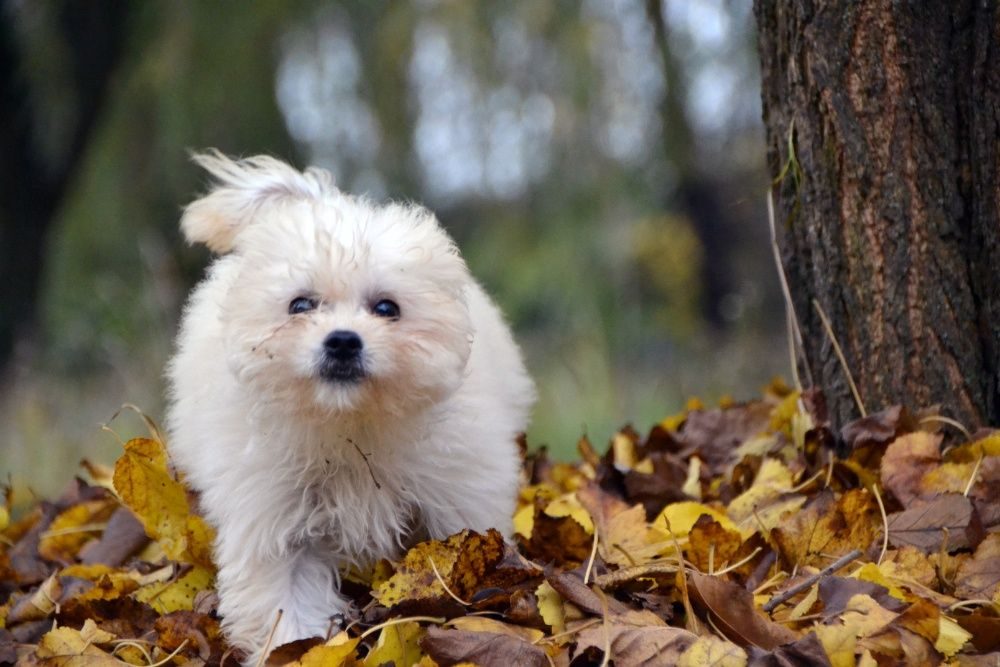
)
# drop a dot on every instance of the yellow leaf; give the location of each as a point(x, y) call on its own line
point(550, 607)
point(873, 573)
point(329, 654)
point(710, 651)
point(460, 561)
point(783, 413)
point(951, 637)
point(160, 503)
point(773, 479)
point(74, 527)
point(175, 595)
point(94, 635)
point(524, 520)
point(804, 605)
point(66, 643)
point(866, 616)
point(970, 453)
point(397, 644)
point(568, 505)
point(677, 519)
point(91, 572)
point(4, 517)
point(491, 625)
point(839, 642)
point(692, 484)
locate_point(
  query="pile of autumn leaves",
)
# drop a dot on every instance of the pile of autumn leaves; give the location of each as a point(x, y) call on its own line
point(749, 534)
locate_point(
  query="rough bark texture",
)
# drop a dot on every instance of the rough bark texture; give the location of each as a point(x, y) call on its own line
point(889, 219)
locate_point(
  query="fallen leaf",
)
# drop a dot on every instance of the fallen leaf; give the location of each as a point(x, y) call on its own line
point(73, 528)
point(840, 642)
point(486, 649)
point(677, 519)
point(624, 536)
point(731, 608)
point(710, 546)
point(461, 562)
point(550, 606)
point(979, 577)
point(951, 637)
point(927, 525)
point(906, 461)
point(710, 651)
point(828, 527)
point(397, 644)
point(160, 502)
point(806, 651)
point(123, 537)
point(632, 645)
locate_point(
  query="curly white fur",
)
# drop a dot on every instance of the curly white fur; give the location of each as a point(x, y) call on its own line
point(300, 475)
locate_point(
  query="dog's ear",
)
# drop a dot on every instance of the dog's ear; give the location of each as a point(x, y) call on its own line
point(241, 187)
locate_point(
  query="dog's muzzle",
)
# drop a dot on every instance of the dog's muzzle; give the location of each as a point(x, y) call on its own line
point(343, 357)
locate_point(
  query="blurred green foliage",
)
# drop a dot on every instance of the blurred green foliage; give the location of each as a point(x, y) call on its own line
point(538, 131)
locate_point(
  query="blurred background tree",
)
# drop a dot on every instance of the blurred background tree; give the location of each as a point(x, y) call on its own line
point(600, 163)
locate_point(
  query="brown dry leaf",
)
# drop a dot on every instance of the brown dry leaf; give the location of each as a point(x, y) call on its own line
point(923, 618)
point(461, 561)
point(624, 537)
point(160, 502)
point(906, 461)
point(828, 527)
point(732, 609)
point(123, 537)
point(557, 540)
point(806, 651)
point(877, 429)
point(710, 546)
point(927, 525)
point(984, 626)
point(486, 649)
point(633, 645)
point(715, 434)
point(979, 577)
point(199, 634)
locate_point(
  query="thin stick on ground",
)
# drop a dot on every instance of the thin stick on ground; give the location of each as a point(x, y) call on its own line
point(445, 586)
point(806, 583)
point(840, 356)
point(590, 561)
point(270, 638)
point(885, 524)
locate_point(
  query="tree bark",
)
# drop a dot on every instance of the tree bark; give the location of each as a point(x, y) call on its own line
point(883, 122)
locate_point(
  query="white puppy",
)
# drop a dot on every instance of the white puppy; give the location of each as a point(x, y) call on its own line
point(342, 387)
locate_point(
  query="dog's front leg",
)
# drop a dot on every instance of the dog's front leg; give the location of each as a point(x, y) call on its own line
point(252, 590)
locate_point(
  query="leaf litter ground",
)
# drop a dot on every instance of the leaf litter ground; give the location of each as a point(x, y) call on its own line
point(747, 534)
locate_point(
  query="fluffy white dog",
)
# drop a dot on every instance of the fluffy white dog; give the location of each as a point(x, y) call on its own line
point(342, 387)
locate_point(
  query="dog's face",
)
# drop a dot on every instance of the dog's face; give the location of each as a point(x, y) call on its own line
point(335, 305)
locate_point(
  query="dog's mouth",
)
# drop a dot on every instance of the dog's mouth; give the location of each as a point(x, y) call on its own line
point(346, 372)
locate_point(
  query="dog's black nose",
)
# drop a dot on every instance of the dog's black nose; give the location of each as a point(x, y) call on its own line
point(343, 345)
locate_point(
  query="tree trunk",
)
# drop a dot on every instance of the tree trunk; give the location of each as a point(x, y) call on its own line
point(32, 187)
point(883, 122)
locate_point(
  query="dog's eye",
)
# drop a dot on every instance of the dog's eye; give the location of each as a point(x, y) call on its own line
point(386, 308)
point(301, 304)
